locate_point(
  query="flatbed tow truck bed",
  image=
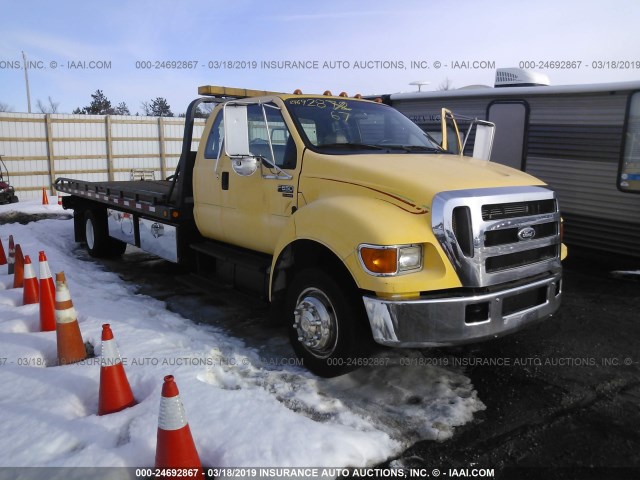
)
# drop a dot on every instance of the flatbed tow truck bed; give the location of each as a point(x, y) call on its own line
point(148, 197)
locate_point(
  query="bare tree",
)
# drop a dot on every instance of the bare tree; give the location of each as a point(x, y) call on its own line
point(146, 108)
point(51, 108)
point(4, 107)
point(447, 84)
point(205, 109)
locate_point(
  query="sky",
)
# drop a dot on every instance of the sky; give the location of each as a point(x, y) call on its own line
point(135, 51)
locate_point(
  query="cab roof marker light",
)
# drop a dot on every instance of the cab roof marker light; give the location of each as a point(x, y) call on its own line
point(239, 93)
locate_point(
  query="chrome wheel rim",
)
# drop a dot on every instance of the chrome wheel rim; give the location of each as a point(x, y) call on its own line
point(316, 323)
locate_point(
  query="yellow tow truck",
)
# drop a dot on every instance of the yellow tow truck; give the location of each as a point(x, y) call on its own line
point(351, 221)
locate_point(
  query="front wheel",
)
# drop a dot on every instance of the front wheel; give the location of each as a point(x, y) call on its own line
point(326, 323)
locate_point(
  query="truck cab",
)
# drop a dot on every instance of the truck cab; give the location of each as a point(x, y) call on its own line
point(374, 230)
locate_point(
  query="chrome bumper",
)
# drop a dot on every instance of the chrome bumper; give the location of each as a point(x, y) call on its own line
point(459, 320)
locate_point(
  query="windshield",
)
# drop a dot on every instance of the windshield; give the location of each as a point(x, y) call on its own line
point(347, 126)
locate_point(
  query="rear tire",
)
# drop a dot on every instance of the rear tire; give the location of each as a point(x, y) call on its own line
point(116, 247)
point(327, 323)
point(14, 199)
point(96, 233)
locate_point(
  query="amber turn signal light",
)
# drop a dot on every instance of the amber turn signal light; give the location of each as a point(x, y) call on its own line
point(380, 260)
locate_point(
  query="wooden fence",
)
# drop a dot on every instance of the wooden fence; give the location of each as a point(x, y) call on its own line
point(39, 148)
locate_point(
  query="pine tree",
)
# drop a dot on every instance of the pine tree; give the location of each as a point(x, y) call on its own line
point(158, 107)
point(101, 105)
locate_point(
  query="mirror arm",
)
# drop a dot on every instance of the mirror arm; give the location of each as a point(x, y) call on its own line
point(266, 124)
point(281, 173)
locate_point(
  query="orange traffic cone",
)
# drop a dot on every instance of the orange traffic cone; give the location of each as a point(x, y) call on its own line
point(175, 447)
point(3, 256)
point(69, 339)
point(47, 297)
point(115, 391)
point(30, 290)
point(12, 256)
point(45, 198)
point(18, 269)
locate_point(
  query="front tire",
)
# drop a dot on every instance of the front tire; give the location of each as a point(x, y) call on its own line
point(326, 323)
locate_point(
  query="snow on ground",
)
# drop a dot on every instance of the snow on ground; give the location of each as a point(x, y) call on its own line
point(242, 410)
point(626, 272)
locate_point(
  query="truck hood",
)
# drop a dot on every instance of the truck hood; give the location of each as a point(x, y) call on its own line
point(409, 179)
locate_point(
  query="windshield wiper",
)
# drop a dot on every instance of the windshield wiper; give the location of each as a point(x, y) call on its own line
point(414, 148)
point(353, 146)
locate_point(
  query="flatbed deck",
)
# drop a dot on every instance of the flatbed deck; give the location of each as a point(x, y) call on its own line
point(150, 197)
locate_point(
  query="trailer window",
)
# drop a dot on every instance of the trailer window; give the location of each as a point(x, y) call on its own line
point(629, 172)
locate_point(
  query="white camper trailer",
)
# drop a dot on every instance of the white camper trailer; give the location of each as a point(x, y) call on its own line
point(583, 140)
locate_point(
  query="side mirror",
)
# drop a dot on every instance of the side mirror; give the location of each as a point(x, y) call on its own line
point(236, 140)
point(236, 131)
point(483, 143)
point(245, 166)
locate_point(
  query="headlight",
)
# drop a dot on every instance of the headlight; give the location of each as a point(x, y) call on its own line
point(381, 260)
point(410, 258)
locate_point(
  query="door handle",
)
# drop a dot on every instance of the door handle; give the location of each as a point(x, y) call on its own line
point(225, 180)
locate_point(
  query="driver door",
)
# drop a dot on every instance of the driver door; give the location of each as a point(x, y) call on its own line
point(256, 207)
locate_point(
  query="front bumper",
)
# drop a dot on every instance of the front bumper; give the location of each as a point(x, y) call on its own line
point(465, 319)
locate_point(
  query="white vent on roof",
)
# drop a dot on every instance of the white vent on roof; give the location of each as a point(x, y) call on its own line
point(517, 77)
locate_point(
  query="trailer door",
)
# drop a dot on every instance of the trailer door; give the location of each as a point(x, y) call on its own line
point(511, 119)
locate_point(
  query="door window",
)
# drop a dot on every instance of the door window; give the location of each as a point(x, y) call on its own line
point(214, 142)
point(269, 136)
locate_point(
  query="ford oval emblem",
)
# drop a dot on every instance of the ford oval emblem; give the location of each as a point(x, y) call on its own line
point(526, 233)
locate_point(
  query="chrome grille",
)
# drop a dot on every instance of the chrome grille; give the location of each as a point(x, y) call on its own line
point(517, 209)
point(519, 259)
point(498, 235)
point(510, 235)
